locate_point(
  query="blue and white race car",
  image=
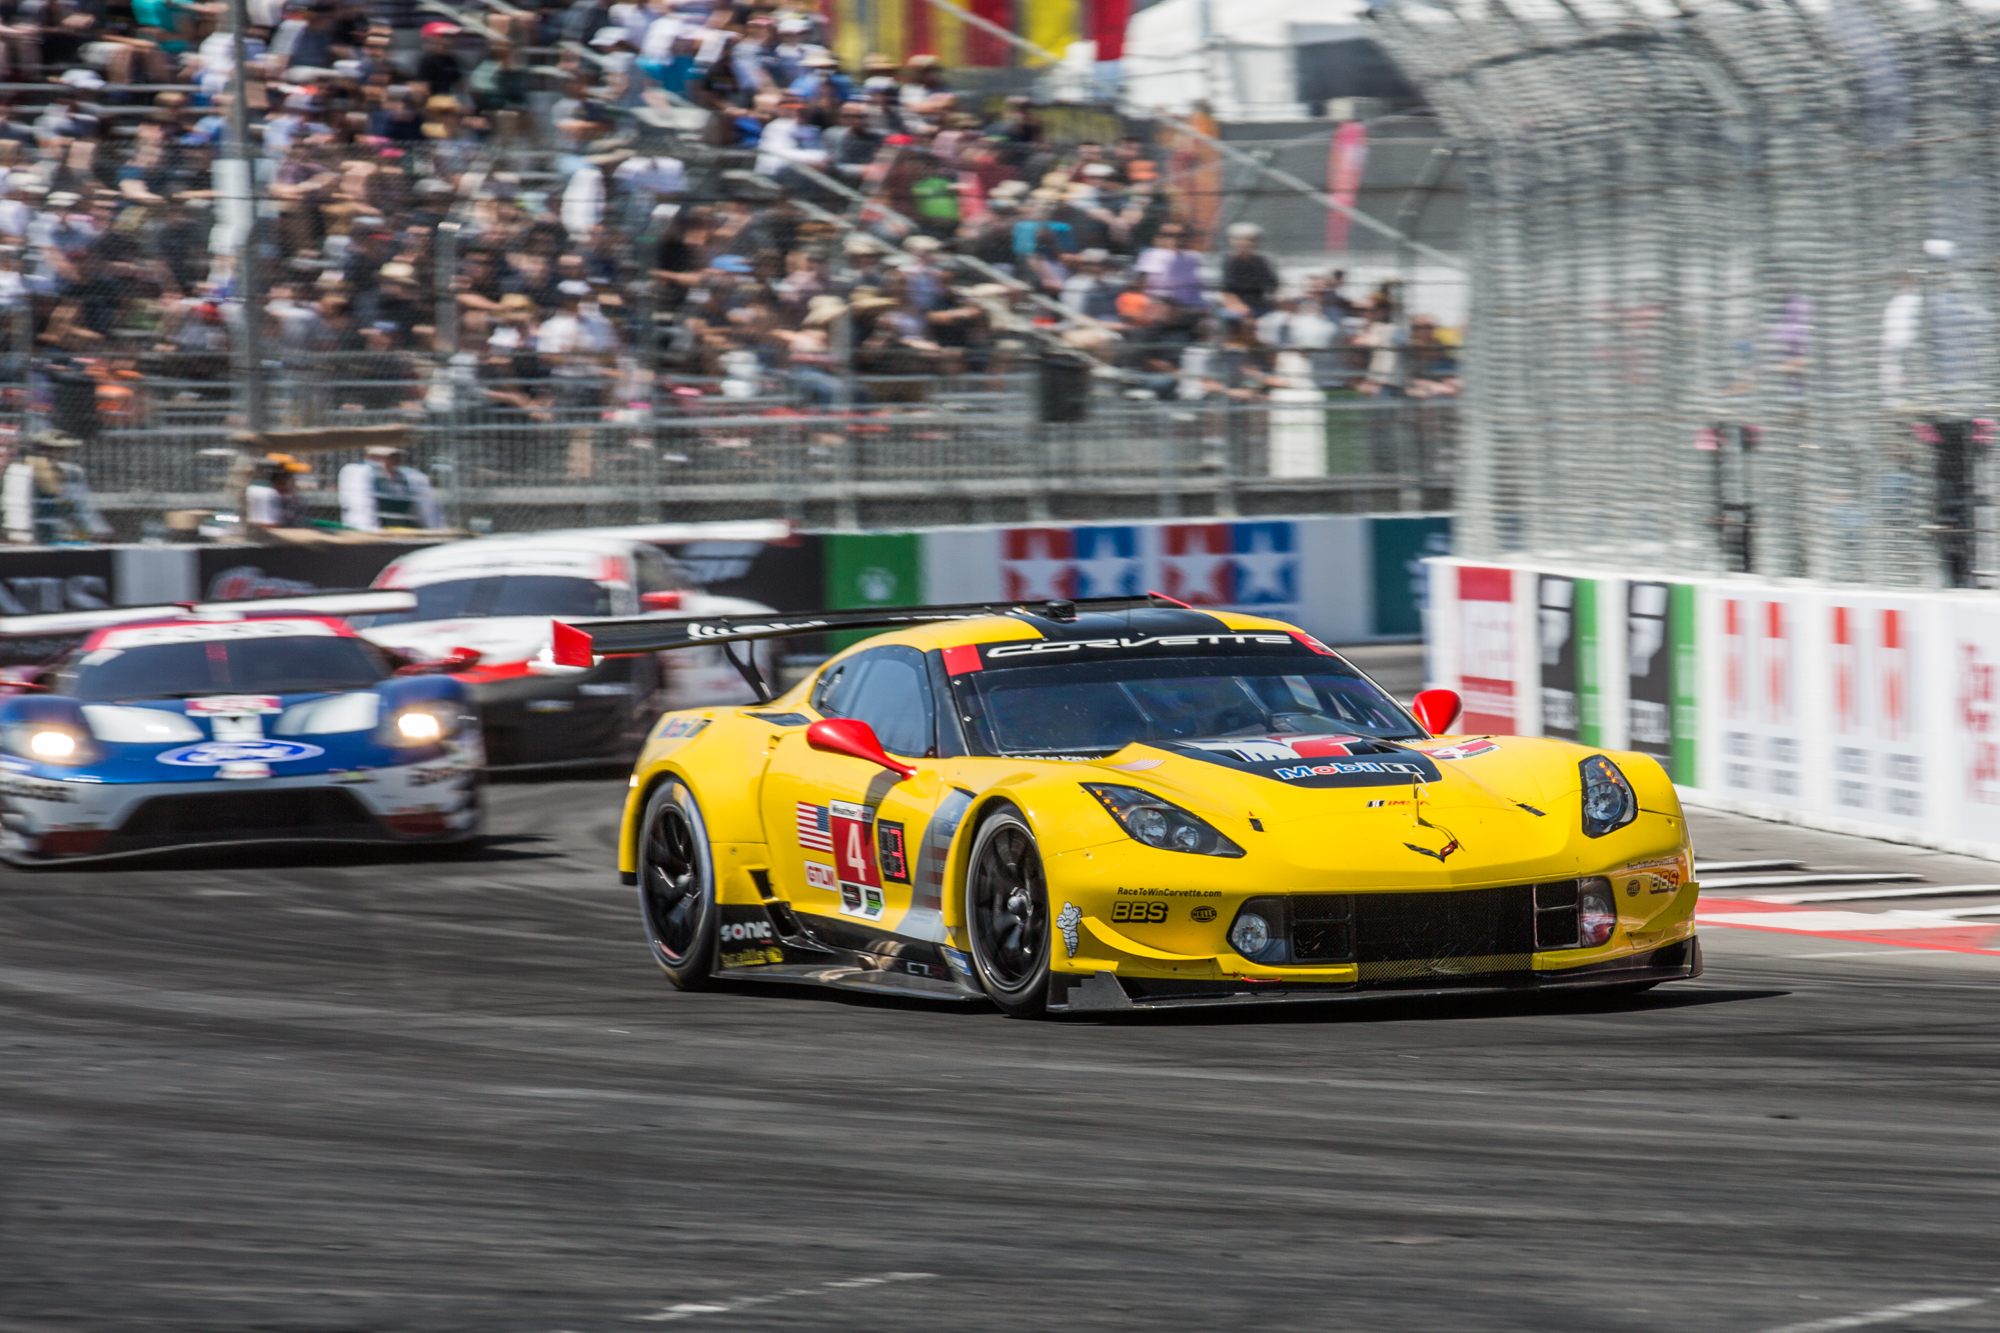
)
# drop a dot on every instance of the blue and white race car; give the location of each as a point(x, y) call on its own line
point(230, 724)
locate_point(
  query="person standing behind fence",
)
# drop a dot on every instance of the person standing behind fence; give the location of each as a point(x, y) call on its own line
point(1171, 270)
point(383, 494)
point(47, 499)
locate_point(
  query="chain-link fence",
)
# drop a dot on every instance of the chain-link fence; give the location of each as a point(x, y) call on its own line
point(1735, 274)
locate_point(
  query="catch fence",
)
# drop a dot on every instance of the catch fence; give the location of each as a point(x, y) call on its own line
point(1735, 272)
point(587, 467)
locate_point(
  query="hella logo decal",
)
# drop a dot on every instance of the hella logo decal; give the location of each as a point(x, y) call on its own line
point(210, 754)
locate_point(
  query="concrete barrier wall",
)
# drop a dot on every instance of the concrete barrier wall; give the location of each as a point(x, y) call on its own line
point(1851, 709)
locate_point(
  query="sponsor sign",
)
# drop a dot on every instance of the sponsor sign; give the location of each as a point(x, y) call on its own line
point(1761, 739)
point(1566, 624)
point(1486, 648)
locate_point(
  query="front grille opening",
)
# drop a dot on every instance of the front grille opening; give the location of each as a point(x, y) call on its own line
point(1556, 924)
point(246, 813)
point(1323, 928)
point(1471, 924)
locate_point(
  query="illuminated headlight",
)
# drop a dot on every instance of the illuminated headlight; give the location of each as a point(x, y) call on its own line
point(1597, 912)
point(423, 724)
point(1160, 823)
point(50, 743)
point(1608, 802)
point(1250, 935)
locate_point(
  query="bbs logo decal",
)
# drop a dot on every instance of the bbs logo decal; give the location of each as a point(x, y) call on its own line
point(1140, 911)
point(890, 854)
point(746, 930)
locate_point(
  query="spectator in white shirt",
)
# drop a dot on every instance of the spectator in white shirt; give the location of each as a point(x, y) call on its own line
point(788, 141)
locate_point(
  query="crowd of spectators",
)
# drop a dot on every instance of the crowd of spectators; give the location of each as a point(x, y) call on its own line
point(494, 212)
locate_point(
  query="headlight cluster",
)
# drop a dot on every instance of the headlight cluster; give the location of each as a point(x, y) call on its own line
point(426, 723)
point(1596, 912)
point(50, 743)
point(1608, 802)
point(1160, 823)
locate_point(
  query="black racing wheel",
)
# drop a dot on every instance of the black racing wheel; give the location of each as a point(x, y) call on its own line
point(1007, 914)
point(677, 886)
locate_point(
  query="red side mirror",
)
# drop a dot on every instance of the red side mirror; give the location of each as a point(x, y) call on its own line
point(856, 739)
point(1437, 710)
point(660, 601)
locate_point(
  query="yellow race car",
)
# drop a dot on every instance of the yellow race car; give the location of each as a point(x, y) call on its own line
point(1125, 803)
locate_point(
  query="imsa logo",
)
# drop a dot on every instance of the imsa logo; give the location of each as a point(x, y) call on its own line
point(746, 930)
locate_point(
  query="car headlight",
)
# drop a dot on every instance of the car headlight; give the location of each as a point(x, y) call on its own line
point(425, 723)
point(1597, 912)
point(1250, 935)
point(1608, 802)
point(1160, 823)
point(50, 743)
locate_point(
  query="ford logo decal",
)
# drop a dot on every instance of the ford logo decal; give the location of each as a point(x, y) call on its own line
point(211, 753)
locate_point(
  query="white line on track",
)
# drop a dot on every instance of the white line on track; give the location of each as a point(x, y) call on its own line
point(1868, 895)
point(1780, 881)
point(1859, 953)
point(1888, 1314)
point(733, 1304)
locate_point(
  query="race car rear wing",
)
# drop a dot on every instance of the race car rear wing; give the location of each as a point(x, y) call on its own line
point(576, 647)
point(29, 641)
point(359, 602)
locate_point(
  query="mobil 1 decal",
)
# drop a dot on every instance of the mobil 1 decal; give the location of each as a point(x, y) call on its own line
point(854, 860)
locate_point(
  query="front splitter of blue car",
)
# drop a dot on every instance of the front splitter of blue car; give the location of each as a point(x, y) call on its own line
point(236, 787)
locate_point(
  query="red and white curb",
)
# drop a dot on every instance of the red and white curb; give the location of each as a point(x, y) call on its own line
point(1914, 929)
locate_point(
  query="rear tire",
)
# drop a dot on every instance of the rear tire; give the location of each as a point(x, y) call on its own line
point(1007, 915)
point(677, 886)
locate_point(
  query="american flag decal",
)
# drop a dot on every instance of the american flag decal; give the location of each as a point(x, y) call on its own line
point(815, 828)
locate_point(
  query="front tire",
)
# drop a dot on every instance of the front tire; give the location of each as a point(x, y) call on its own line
point(1007, 915)
point(677, 886)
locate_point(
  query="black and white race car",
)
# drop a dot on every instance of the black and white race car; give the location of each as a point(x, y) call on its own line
point(484, 610)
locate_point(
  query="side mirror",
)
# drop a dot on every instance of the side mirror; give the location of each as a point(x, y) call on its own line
point(1437, 710)
point(856, 739)
point(660, 601)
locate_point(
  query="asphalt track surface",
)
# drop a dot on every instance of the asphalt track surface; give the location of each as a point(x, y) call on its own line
point(362, 1094)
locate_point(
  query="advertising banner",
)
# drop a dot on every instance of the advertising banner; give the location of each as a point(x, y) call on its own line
point(1566, 616)
point(1486, 649)
point(1346, 578)
point(1859, 710)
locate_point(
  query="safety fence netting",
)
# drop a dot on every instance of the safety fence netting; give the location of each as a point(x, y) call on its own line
point(1735, 279)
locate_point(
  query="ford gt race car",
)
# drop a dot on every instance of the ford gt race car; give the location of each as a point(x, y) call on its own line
point(496, 597)
point(267, 721)
point(1127, 803)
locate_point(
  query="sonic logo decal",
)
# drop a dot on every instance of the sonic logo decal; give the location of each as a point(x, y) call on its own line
point(1067, 921)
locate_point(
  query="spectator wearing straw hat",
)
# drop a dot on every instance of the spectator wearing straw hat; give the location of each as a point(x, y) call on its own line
point(47, 498)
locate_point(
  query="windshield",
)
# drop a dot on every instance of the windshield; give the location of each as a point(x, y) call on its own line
point(1106, 705)
point(501, 595)
point(303, 665)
